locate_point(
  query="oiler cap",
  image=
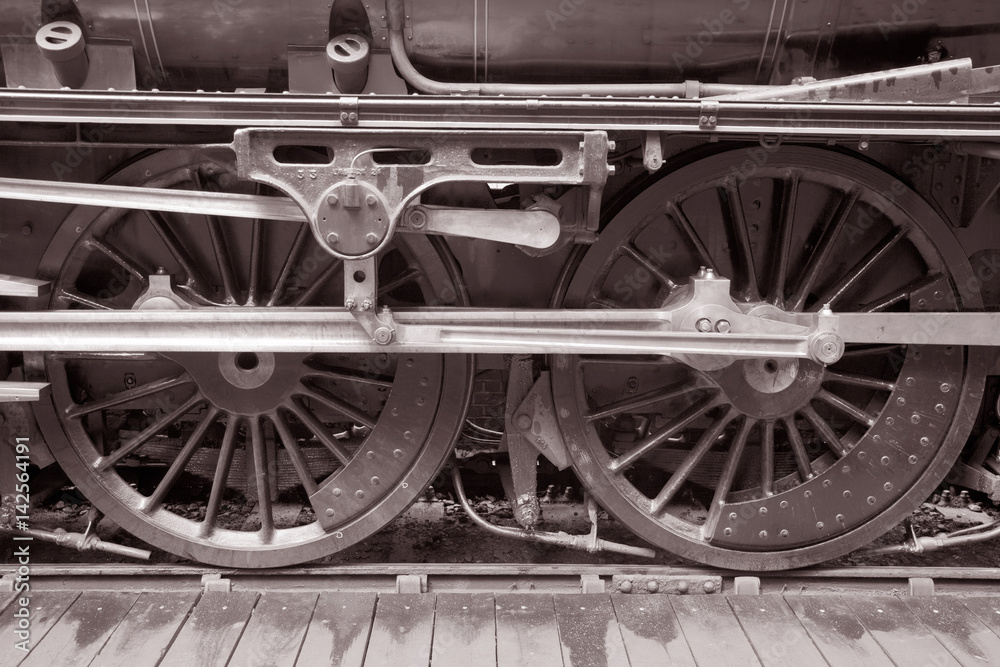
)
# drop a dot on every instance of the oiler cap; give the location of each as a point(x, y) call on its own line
point(348, 54)
point(60, 41)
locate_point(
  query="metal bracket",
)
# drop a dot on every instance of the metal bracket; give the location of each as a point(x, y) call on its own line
point(411, 583)
point(666, 584)
point(355, 202)
point(18, 286)
point(708, 115)
point(535, 419)
point(922, 586)
point(213, 582)
point(348, 111)
point(746, 585)
point(21, 392)
point(591, 583)
point(652, 152)
point(361, 299)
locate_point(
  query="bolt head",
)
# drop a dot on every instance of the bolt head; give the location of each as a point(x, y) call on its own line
point(332, 200)
point(723, 326)
point(332, 238)
point(372, 238)
point(625, 586)
point(703, 325)
point(367, 305)
point(370, 200)
point(350, 304)
point(383, 335)
point(652, 586)
point(524, 422)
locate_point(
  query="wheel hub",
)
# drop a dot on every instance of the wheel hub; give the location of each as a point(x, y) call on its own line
point(768, 388)
point(243, 383)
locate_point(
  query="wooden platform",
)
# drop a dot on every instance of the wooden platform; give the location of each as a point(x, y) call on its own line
point(506, 630)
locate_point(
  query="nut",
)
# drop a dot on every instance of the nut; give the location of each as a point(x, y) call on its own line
point(723, 326)
point(524, 422)
point(417, 218)
point(703, 325)
point(372, 238)
point(383, 335)
point(350, 304)
point(332, 238)
point(367, 305)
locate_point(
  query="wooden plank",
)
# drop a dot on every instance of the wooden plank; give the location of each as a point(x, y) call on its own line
point(774, 631)
point(836, 631)
point(402, 631)
point(148, 629)
point(958, 629)
point(211, 633)
point(46, 608)
point(82, 631)
point(652, 635)
point(588, 631)
point(339, 629)
point(712, 631)
point(987, 609)
point(465, 630)
point(527, 633)
point(900, 634)
point(276, 630)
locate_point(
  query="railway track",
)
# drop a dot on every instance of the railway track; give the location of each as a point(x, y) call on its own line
point(504, 615)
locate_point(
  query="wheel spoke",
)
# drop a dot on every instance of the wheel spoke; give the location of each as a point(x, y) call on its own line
point(872, 350)
point(349, 411)
point(332, 268)
point(647, 262)
point(825, 431)
point(798, 449)
point(222, 466)
point(294, 453)
point(141, 391)
point(691, 461)
point(281, 284)
point(642, 400)
point(256, 264)
point(817, 260)
point(193, 279)
point(767, 460)
point(902, 294)
point(317, 428)
point(738, 225)
point(180, 462)
point(726, 478)
point(404, 278)
point(881, 249)
point(783, 250)
point(76, 297)
point(120, 259)
point(848, 408)
point(858, 381)
point(262, 477)
point(104, 463)
point(653, 441)
point(328, 374)
point(685, 226)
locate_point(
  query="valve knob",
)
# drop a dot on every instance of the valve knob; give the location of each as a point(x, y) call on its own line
point(348, 56)
point(62, 43)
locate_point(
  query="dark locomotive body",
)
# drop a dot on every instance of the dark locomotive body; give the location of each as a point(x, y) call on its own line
point(700, 455)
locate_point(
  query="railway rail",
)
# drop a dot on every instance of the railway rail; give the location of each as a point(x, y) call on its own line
point(505, 615)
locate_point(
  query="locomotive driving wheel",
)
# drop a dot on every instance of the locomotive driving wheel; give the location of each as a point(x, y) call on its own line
point(248, 459)
point(772, 463)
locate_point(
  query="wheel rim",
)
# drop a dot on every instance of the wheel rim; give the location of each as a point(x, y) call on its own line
point(349, 440)
point(768, 464)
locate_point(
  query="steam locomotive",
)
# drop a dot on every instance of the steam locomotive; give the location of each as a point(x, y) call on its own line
point(268, 270)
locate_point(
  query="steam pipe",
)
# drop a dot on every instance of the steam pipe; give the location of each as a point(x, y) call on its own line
point(589, 543)
point(397, 47)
